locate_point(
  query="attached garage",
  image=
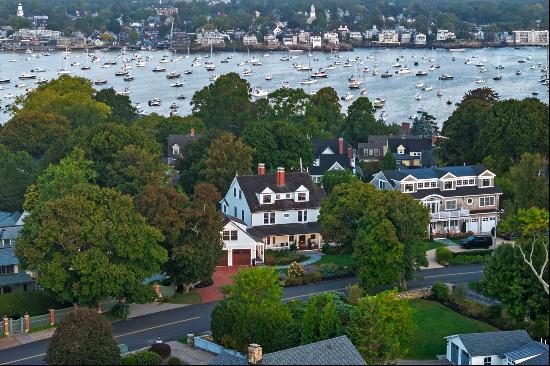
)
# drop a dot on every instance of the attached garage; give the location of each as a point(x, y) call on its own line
point(241, 257)
point(472, 225)
point(487, 224)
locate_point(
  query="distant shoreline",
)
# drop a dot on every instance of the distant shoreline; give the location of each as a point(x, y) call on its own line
point(343, 47)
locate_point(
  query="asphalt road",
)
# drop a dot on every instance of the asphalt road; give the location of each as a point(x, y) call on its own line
point(173, 324)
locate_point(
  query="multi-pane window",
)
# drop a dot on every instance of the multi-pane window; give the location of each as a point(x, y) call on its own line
point(487, 360)
point(269, 218)
point(230, 235)
point(487, 201)
point(448, 184)
point(266, 198)
point(4, 270)
point(302, 196)
point(409, 187)
point(450, 205)
point(434, 184)
point(420, 185)
point(302, 216)
point(486, 182)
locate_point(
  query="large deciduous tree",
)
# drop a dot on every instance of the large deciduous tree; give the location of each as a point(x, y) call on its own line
point(90, 244)
point(18, 170)
point(226, 156)
point(381, 327)
point(122, 109)
point(335, 177)
point(34, 132)
point(225, 104)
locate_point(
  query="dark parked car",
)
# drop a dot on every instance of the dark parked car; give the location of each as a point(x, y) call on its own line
point(477, 241)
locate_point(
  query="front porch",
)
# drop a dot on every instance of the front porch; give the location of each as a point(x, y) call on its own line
point(305, 236)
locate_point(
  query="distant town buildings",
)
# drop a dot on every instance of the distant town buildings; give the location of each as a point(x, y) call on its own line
point(211, 37)
point(167, 12)
point(388, 36)
point(420, 39)
point(250, 40)
point(20, 12)
point(445, 35)
point(532, 37)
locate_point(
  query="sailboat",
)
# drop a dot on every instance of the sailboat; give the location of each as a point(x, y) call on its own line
point(209, 64)
point(498, 76)
point(87, 66)
point(63, 70)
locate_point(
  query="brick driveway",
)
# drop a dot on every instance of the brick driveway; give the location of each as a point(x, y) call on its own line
point(221, 277)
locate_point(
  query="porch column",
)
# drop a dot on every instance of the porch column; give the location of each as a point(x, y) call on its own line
point(230, 257)
point(252, 255)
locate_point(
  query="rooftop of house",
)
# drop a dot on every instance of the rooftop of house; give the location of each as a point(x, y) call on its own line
point(516, 344)
point(251, 185)
point(533, 353)
point(326, 162)
point(7, 257)
point(435, 173)
point(334, 351)
point(10, 232)
point(11, 218)
point(410, 145)
point(321, 146)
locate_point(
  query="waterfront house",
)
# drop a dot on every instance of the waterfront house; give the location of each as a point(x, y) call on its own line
point(279, 209)
point(445, 35)
point(12, 277)
point(460, 198)
point(496, 348)
point(420, 39)
point(316, 40)
point(250, 40)
point(175, 144)
point(532, 37)
point(331, 155)
point(388, 36)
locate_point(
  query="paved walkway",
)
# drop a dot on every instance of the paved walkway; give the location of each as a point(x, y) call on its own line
point(151, 308)
point(220, 277)
point(432, 262)
point(190, 355)
point(313, 258)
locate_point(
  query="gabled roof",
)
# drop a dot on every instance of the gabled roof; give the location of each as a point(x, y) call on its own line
point(10, 232)
point(10, 218)
point(321, 144)
point(253, 184)
point(494, 343)
point(410, 145)
point(436, 173)
point(334, 351)
point(536, 354)
point(327, 161)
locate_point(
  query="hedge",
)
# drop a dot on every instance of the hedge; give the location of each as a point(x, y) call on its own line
point(142, 358)
point(445, 257)
point(35, 303)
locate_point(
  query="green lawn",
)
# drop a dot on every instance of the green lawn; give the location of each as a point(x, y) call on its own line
point(192, 297)
point(340, 259)
point(435, 321)
point(433, 245)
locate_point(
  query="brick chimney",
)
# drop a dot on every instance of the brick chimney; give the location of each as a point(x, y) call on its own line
point(341, 146)
point(255, 354)
point(434, 140)
point(261, 169)
point(280, 177)
point(350, 155)
point(406, 128)
point(192, 132)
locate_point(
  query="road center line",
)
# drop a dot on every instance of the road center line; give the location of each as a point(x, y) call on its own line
point(453, 274)
point(157, 326)
point(117, 336)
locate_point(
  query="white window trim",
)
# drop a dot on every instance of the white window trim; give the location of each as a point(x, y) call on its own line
point(484, 198)
point(449, 209)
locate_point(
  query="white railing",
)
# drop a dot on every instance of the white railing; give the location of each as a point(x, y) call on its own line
point(445, 215)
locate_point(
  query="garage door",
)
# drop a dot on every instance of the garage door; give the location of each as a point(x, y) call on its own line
point(241, 257)
point(472, 225)
point(487, 224)
point(223, 260)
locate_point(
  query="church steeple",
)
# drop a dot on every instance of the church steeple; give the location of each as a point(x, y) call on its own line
point(20, 11)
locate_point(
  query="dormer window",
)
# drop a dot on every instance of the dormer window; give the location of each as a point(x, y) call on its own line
point(448, 185)
point(302, 196)
point(486, 182)
point(408, 188)
point(176, 149)
point(401, 150)
point(266, 198)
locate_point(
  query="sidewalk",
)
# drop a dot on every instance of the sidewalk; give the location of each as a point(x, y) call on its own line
point(432, 262)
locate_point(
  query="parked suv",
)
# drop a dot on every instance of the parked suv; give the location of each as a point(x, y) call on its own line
point(477, 241)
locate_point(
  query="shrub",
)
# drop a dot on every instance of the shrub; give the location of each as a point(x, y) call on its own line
point(121, 311)
point(15, 305)
point(443, 256)
point(354, 293)
point(295, 270)
point(459, 235)
point(441, 292)
point(84, 337)
point(495, 311)
point(283, 257)
point(161, 349)
point(459, 294)
point(142, 358)
point(540, 327)
point(174, 361)
point(336, 249)
point(303, 280)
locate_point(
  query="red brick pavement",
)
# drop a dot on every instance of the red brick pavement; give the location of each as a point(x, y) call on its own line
point(221, 277)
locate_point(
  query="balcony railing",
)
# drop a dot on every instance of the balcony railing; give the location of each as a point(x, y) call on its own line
point(445, 215)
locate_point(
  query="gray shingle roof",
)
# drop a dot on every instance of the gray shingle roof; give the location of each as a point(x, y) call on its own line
point(494, 343)
point(335, 351)
point(253, 184)
point(535, 351)
point(15, 279)
point(433, 173)
point(458, 192)
point(9, 218)
point(227, 357)
point(7, 257)
point(327, 161)
point(410, 145)
point(284, 229)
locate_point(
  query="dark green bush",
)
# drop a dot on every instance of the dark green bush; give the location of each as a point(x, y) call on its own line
point(15, 305)
point(142, 358)
point(495, 311)
point(307, 278)
point(283, 257)
point(338, 249)
point(84, 337)
point(174, 361)
point(161, 349)
point(440, 292)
